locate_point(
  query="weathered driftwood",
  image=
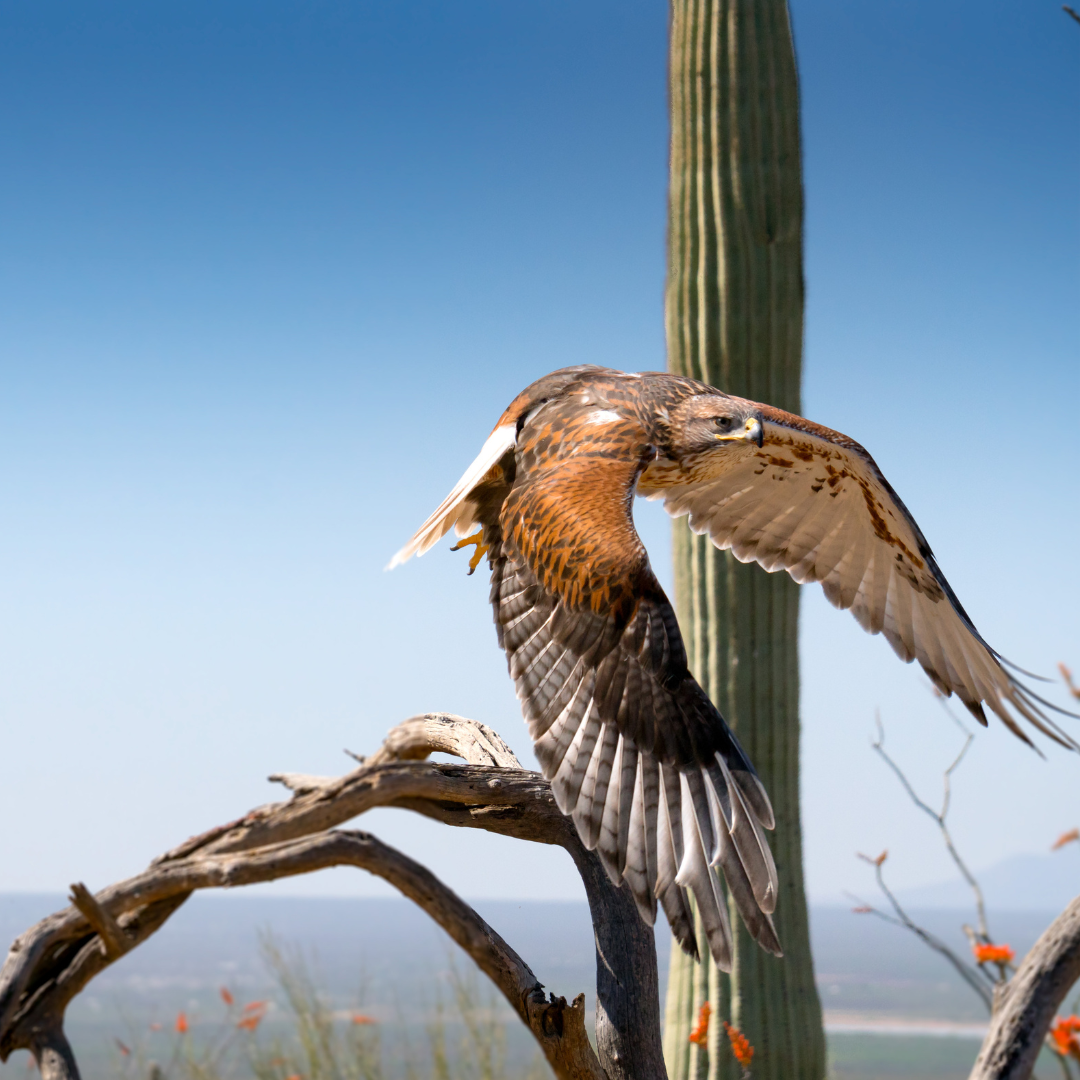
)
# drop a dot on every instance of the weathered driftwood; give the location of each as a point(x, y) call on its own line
point(1024, 1007)
point(54, 960)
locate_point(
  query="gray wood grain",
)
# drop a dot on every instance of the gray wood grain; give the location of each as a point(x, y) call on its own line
point(54, 960)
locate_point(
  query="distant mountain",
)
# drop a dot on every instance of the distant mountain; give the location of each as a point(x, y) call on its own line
point(1018, 883)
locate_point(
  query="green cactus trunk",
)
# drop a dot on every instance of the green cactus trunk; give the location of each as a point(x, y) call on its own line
point(734, 315)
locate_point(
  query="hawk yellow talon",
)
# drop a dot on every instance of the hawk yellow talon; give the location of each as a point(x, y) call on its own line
point(477, 538)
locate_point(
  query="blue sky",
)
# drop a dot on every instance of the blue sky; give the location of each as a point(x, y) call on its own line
point(269, 272)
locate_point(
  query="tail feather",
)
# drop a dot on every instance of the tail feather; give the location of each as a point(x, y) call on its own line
point(668, 856)
point(747, 836)
point(758, 922)
point(696, 875)
point(663, 830)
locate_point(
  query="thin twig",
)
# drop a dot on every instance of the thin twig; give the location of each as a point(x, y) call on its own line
point(972, 975)
point(939, 817)
point(1069, 11)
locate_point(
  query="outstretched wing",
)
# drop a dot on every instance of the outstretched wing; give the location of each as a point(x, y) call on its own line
point(813, 502)
point(635, 751)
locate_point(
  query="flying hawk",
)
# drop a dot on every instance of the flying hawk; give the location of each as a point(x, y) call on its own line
point(636, 753)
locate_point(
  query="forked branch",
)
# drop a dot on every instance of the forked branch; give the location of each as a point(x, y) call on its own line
point(50, 963)
point(1022, 1004)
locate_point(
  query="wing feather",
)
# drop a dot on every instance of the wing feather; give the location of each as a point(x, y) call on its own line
point(814, 503)
point(696, 875)
point(639, 869)
point(456, 509)
point(669, 849)
point(551, 745)
point(566, 782)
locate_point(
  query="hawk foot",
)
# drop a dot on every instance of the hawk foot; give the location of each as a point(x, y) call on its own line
point(477, 538)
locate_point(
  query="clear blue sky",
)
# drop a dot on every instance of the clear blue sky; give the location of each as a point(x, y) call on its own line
point(270, 271)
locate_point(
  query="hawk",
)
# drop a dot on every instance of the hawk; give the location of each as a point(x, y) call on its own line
point(636, 753)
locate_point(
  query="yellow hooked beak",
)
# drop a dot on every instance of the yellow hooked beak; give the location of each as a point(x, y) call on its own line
point(751, 432)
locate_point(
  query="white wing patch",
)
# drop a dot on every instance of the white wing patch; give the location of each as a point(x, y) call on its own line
point(455, 509)
point(602, 416)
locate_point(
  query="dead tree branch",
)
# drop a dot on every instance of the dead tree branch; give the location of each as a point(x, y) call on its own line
point(54, 960)
point(976, 976)
point(1025, 1007)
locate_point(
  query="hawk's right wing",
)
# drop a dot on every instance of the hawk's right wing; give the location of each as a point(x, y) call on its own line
point(814, 503)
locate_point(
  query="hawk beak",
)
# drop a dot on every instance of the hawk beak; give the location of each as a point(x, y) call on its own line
point(751, 432)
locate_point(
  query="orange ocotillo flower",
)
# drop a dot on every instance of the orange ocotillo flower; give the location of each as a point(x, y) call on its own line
point(700, 1034)
point(740, 1045)
point(993, 954)
point(226, 996)
point(181, 1023)
point(1065, 838)
point(254, 1011)
point(1065, 1036)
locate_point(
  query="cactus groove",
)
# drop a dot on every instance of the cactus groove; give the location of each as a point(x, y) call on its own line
point(734, 318)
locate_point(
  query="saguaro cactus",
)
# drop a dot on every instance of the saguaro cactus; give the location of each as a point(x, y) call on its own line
point(734, 313)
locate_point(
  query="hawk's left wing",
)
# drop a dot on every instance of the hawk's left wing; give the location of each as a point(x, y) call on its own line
point(814, 503)
point(458, 508)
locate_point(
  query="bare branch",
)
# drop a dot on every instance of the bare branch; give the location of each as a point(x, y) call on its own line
point(1069, 11)
point(431, 733)
point(54, 960)
point(300, 783)
point(972, 975)
point(53, 1053)
point(1026, 1006)
point(939, 817)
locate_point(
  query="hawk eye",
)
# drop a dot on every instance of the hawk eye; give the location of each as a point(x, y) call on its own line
point(724, 422)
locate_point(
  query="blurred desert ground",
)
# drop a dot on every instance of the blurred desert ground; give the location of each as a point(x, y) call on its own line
point(893, 1008)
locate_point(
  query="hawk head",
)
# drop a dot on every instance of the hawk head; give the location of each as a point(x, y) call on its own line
point(714, 424)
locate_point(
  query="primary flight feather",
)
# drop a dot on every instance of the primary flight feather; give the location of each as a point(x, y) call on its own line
point(636, 753)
